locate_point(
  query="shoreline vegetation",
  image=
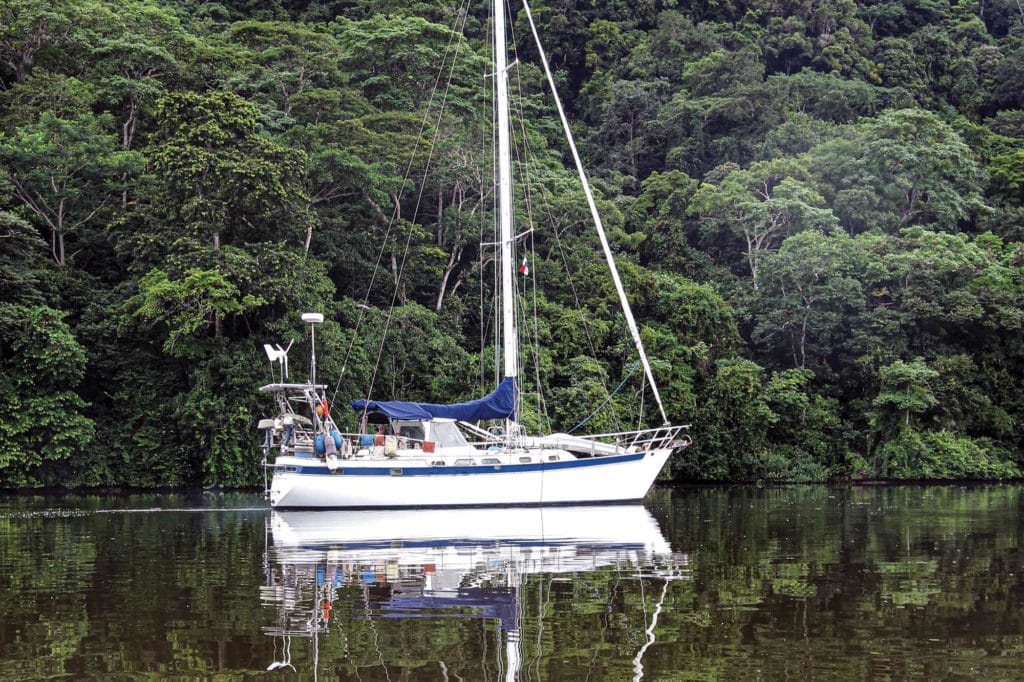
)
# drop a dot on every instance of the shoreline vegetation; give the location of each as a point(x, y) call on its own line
point(818, 209)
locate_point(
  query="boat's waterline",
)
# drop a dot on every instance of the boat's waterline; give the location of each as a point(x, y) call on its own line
point(391, 485)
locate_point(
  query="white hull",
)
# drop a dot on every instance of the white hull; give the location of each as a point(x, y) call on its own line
point(392, 485)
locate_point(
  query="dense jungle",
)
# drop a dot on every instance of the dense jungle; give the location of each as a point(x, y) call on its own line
point(818, 210)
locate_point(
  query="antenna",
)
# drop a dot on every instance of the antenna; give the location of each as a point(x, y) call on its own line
point(312, 319)
point(277, 354)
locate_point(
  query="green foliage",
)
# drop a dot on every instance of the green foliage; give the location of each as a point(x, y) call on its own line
point(905, 392)
point(187, 306)
point(736, 419)
point(418, 359)
point(938, 455)
point(218, 176)
point(807, 443)
point(287, 63)
point(583, 389)
point(761, 205)
point(817, 210)
point(905, 168)
point(20, 263)
point(65, 172)
point(1008, 174)
point(44, 424)
point(809, 289)
point(28, 31)
point(396, 59)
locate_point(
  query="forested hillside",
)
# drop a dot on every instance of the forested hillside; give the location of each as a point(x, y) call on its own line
point(818, 206)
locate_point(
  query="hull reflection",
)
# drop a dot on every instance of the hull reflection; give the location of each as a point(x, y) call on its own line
point(443, 563)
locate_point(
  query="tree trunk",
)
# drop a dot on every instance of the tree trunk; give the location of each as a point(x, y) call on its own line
point(309, 231)
point(453, 261)
point(128, 129)
point(60, 232)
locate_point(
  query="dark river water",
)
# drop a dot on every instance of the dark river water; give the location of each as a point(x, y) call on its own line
point(808, 582)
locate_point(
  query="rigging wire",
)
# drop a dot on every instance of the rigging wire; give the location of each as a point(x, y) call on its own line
point(634, 330)
point(496, 276)
point(523, 157)
point(376, 635)
point(460, 15)
point(542, 408)
point(419, 198)
point(638, 666)
point(489, 320)
point(546, 204)
point(543, 602)
point(643, 390)
point(523, 298)
point(480, 254)
point(606, 400)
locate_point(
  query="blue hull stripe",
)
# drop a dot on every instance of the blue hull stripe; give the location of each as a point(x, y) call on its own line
point(438, 544)
point(322, 470)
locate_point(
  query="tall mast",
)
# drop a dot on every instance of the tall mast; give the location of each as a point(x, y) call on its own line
point(510, 336)
point(312, 319)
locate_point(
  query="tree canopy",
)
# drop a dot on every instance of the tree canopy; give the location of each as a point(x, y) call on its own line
point(818, 210)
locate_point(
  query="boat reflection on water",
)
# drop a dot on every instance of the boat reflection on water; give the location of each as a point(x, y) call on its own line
point(446, 563)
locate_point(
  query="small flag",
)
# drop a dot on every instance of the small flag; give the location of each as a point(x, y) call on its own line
point(524, 270)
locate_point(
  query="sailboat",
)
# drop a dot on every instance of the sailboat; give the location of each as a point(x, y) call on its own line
point(436, 454)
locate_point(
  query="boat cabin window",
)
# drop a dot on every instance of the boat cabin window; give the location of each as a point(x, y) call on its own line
point(491, 460)
point(413, 430)
point(446, 433)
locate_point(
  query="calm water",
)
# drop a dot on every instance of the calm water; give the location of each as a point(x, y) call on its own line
point(740, 583)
